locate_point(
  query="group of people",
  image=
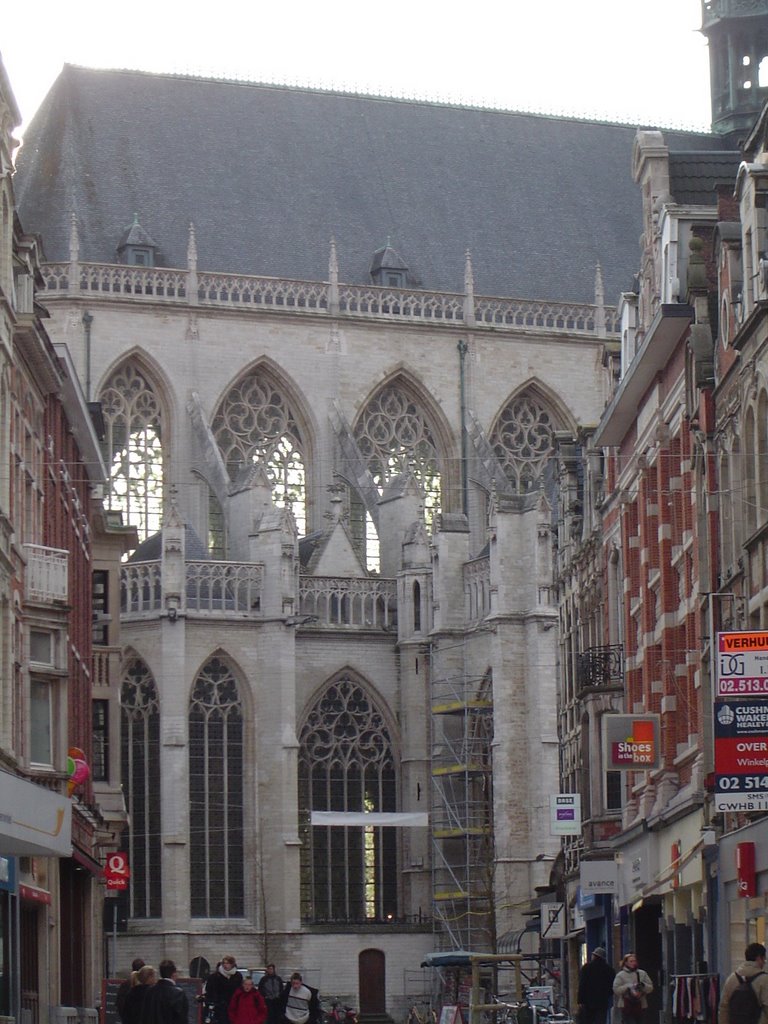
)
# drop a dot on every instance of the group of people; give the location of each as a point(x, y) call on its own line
point(151, 996)
point(600, 988)
point(743, 1000)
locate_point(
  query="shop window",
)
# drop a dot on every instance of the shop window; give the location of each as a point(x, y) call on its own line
point(41, 722)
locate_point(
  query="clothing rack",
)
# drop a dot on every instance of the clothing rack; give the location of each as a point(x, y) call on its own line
point(695, 997)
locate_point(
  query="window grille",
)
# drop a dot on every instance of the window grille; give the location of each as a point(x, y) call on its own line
point(346, 763)
point(216, 794)
point(394, 436)
point(522, 441)
point(134, 449)
point(140, 757)
point(254, 423)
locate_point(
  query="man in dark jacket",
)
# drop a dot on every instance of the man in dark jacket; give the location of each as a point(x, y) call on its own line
point(595, 988)
point(271, 988)
point(165, 1002)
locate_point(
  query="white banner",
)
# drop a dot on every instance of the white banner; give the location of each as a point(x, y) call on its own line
point(403, 819)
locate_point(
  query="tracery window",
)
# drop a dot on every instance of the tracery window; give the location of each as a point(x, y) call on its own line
point(394, 435)
point(134, 448)
point(140, 758)
point(216, 793)
point(255, 423)
point(522, 441)
point(346, 763)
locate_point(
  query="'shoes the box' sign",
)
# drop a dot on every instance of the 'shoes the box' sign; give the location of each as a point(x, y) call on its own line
point(631, 742)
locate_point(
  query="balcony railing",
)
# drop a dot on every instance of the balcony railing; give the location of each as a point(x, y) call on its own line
point(341, 601)
point(47, 574)
point(224, 587)
point(211, 588)
point(179, 287)
point(600, 667)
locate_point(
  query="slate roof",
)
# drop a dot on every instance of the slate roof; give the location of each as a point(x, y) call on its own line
point(693, 176)
point(269, 173)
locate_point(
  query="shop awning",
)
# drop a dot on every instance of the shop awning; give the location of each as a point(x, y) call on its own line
point(448, 958)
point(34, 822)
point(511, 941)
point(672, 870)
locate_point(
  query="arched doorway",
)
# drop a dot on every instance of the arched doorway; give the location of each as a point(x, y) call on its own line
point(371, 981)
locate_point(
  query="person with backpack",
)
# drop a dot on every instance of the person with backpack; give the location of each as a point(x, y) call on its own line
point(631, 988)
point(744, 999)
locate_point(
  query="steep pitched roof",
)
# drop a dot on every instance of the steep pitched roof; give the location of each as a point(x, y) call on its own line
point(269, 173)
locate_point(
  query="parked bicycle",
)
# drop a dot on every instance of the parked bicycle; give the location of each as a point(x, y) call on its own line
point(427, 1016)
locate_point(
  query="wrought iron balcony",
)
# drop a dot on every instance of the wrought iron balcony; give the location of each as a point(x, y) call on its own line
point(47, 575)
point(600, 667)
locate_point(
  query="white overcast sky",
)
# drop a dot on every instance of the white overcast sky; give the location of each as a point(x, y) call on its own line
point(629, 60)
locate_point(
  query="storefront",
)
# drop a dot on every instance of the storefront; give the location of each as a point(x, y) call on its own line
point(742, 891)
point(35, 830)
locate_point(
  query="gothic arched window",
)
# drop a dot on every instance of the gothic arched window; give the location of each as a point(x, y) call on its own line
point(140, 764)
point(394, 436)
point(522, 441)
point(255, 423)
point(346, 763)
point(216, 794)
point(134, 448)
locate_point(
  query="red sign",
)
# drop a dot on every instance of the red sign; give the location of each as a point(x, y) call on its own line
point(116, 871)
point(746, 884)
point(637, 749)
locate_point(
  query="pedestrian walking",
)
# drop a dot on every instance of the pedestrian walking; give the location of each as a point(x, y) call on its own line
point(133, 1009)
point(125, 987)
point(301, 1004)
point(165, 1002)
point(271, 987)
point(221, 985)
point(631, 988)
point(744, 999)
point(595, 993)
point(247, 1005)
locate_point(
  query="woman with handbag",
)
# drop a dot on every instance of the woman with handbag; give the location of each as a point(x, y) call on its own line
point(631, 988)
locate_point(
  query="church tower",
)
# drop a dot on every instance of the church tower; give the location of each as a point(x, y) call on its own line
point(737, 32)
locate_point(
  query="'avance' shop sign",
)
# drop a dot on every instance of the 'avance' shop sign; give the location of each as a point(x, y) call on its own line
point(632, 742)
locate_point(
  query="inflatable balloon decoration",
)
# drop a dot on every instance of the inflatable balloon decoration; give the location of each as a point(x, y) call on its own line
point(78, 769)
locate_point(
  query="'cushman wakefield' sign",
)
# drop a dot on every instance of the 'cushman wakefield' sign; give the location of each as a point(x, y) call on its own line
point(631, 742)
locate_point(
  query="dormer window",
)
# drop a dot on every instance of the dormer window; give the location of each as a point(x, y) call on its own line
point(388, 268)
point(136, 248)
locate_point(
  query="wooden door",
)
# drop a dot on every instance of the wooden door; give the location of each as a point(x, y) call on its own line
point(371, 981)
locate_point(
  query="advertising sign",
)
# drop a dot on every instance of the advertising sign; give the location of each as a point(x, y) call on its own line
point(742, 664)
point(565, 814)
point(631, 742)
point(741, 722)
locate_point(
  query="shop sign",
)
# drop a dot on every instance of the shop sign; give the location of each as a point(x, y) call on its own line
point(631, 742)
point(599, 876)
point(8, 874)
point(746, 881)
point(553, 920)
point(565, 814)
point(116, 871)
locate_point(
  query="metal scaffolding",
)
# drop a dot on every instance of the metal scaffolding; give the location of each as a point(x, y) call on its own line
point(462, 807)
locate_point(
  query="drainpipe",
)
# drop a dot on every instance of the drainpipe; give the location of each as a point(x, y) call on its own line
point(87, 321)
point(462, 347)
